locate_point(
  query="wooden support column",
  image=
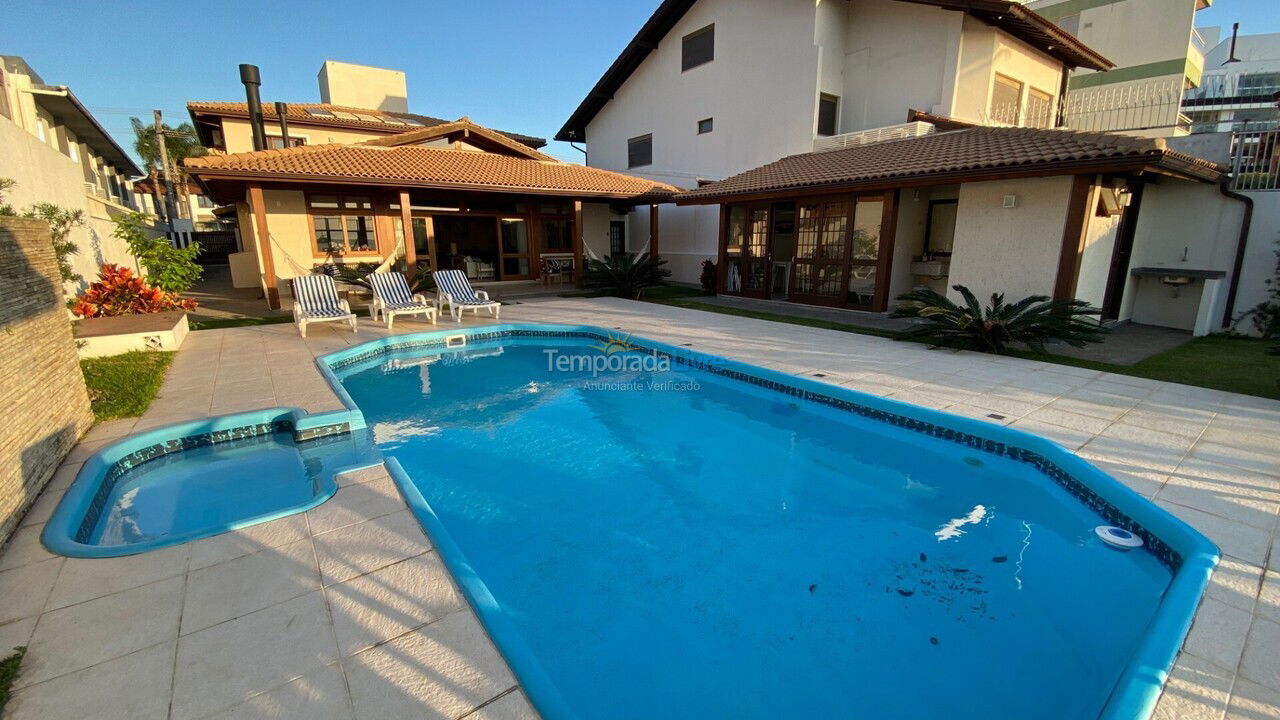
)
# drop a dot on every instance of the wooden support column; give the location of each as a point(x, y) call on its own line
point(406, 219)
point(653, 230)
point(258, 207)
point(722, 235)
point(1074, 234)
point(578, 268)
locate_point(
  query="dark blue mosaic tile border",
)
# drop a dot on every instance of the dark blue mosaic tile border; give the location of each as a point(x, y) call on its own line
point(190, 442)
point(1157, 547)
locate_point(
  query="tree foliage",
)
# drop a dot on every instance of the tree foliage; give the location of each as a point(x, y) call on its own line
point(180, 141)
point(1032, 321)
point(169, 268)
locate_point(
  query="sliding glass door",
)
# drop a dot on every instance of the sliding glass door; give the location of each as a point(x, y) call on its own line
point(819, 268)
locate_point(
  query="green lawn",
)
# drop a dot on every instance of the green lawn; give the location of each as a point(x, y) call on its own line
point(123, 386)
point(9, 673)
point(1221, 362)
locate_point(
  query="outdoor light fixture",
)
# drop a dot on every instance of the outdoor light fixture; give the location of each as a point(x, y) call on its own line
point(1010, 201)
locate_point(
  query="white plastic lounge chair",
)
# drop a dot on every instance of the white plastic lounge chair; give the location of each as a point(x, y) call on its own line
point(391, 297)
point(315, 299)
point(452, 288)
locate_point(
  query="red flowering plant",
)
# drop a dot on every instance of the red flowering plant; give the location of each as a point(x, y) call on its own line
point(118, 291)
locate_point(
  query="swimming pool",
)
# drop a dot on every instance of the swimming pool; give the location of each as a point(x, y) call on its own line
point(706, 538)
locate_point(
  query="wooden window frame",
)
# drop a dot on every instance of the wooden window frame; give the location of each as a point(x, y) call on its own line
point(991, 104)
point(685, 63)
point(374, 210)
point(1032, 91)
point(632, 141)
point(294, 141)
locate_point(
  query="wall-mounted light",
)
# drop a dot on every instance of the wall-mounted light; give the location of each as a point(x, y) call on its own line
point(1010, 202)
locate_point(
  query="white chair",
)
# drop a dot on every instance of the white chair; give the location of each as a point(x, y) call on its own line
point(392, 297)
point(315, 299)
point(453, 288)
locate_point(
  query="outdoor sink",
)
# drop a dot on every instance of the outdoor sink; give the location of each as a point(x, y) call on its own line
point(931, 268)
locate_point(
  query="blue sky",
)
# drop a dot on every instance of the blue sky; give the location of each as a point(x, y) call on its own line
point(514, 65)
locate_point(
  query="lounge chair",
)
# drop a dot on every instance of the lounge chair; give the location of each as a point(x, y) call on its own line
point(315, 299)
point(392, 297)
point(452, 288)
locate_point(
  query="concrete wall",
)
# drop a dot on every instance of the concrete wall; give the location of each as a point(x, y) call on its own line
point(1260, 255)
point(1130, 32)
point(363, 86)
point(1013, 251)
point(43, 174)
point(46, 403)
point(1095, 261)
point(595, 229)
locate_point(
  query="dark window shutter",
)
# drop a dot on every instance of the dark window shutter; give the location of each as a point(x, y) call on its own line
point(698, 47)
point(828, 108)
point(640, 151)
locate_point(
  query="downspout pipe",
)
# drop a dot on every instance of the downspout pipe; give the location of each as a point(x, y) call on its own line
point(1241, 245)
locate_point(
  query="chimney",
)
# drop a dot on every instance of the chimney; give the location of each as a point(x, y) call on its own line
point(282, 110)
point(252, 80)
point(363, 86)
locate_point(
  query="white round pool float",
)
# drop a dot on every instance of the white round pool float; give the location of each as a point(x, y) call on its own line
point(1118, 537)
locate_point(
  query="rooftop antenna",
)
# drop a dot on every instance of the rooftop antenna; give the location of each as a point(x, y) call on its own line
point(1235, 31)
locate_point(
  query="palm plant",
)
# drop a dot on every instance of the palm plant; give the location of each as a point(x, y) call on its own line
point(626, 275)
point(180, 142)
point(1032, 321)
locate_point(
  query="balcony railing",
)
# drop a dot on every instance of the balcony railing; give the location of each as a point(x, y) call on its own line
point(1127, 108)
point(1255, 160)
point(875, 135)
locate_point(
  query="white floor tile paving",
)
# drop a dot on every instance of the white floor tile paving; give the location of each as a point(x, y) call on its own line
point(347, 612)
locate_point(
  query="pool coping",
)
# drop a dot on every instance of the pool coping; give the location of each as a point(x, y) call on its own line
point(64, 532)
point(1135, 691)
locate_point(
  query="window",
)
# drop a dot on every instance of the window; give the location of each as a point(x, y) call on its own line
point(698, 48)
point(640, 151)
point(617, 237)
point(73, 149)
point(704, 126)
point(204, 202)
point(941, 228)
point(1039, 109)
point(1006, 100)
point(557, 235)
point(342, 223)
point(276, 142)
point(828, 114)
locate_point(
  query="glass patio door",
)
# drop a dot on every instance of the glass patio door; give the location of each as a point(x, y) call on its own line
point(755, 253)
point(820, 268)
point(514, 238)
point(864, 257)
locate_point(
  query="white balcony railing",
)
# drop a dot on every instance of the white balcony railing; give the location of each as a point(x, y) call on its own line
point(874, 135)
point(1255, 160)
point(1132, 107)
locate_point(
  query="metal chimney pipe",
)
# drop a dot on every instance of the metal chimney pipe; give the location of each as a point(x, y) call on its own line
point(252, 80)
point(282, 109)
point(1235, 32)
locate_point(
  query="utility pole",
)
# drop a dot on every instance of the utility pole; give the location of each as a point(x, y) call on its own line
point(170, 200)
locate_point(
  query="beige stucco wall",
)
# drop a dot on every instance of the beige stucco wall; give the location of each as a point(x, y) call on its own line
point(984, 52)
point(1013, 251)
point(363, 86)
point(238, 136)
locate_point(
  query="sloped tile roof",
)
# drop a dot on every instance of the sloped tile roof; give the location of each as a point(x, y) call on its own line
point(421, 135)
point(970, 154)
point(416, 166)
point(298, 112)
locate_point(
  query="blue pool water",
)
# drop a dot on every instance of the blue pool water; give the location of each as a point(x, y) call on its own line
point(710, 548)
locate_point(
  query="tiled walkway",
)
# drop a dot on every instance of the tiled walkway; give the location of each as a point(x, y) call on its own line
point(346, 611)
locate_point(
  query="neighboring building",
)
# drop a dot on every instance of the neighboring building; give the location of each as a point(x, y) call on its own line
point(1158, 53)
point(711, 88)
point(57, 152)
point(1238, 94)
point(384, 187)
point(200, 209)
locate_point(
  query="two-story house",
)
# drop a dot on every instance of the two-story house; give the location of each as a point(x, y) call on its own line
point(57, 152)
point(842, 152)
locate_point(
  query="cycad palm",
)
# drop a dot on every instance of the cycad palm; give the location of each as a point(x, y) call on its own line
point(1032, 321)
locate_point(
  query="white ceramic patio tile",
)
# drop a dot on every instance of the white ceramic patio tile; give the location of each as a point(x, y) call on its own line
point(246, 584)
point(1129, 452)
point(466, 671)
point(1269, 598)
point(23, 548)
point(1188, 422)
point(1111, 386)
point(1144, 481)
point(356, 503)
point(110, 429)
point(24, 590)
point(95, 692)
point(979, 413)
point(1004, 405)
point(83, 450)
point(1226, 491)
point(1066, 437)
point(87, 578)
point(363, 475)
point(1233, 538)
point(386, 603)
point(1251, 701)
point(871, 388)
point(512, 706)
point(1073, 403)
point(1266, 463)
point(320, 695)
point(16, 633)
point(227, 664)
point(63, 476)
point(922, 399)
point(1074, 421)
point(367, 546)
point(1235, 582)
point(1261, 652)
point(84, 635)
point(238, 543)
point(1196, 690)
point(1218, 633)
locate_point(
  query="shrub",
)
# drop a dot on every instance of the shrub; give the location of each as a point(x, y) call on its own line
point(626, 275)
point(1032, 321)
point(709, 278)
point(119, 292)
point(61, 221)
point(171, 269)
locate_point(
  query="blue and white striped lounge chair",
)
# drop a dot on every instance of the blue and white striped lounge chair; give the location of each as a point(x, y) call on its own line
point(391, 297)
point(315, 299)
point(453, 289)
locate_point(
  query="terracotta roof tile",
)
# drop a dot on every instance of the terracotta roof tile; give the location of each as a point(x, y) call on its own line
point(952, 157)
point(298, 112)
point(421, 135)
point(416, 166)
